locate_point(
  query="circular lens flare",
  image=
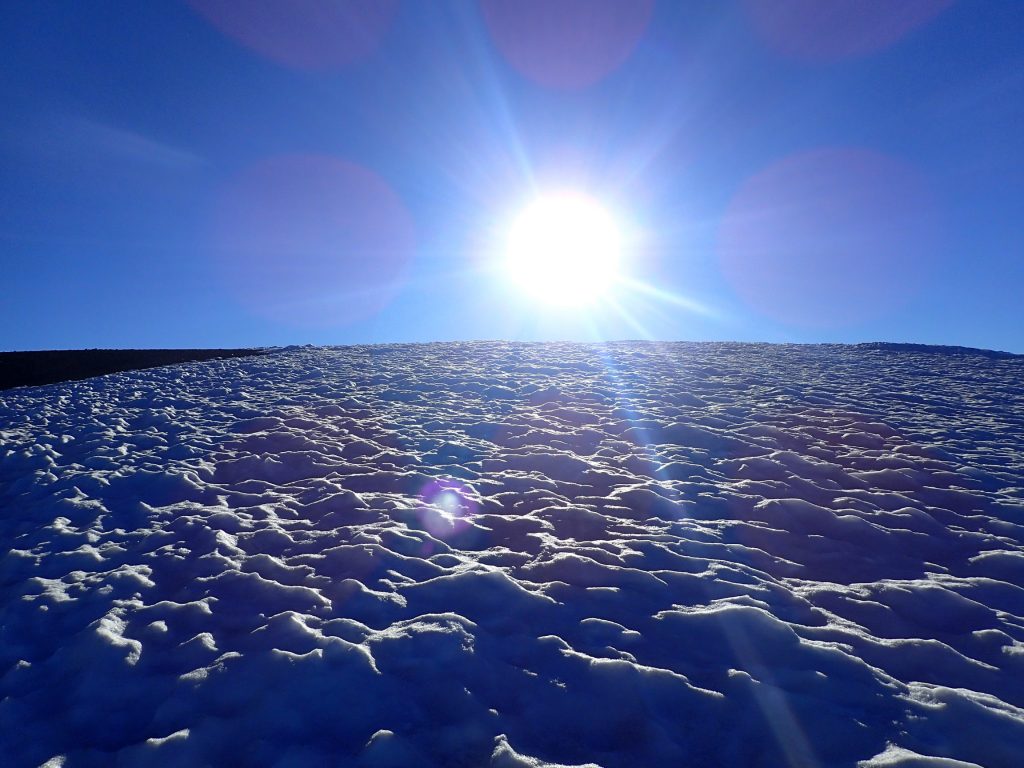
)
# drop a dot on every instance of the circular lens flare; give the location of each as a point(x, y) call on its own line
point(567, 44)
point(312, 240)
point(830, 237)
point(310, 35)
point(563, 249)
point(817, 31)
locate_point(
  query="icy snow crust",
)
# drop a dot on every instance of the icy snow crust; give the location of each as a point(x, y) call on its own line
point(518, 555)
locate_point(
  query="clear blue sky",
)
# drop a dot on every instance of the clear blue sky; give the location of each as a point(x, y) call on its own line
point(181, 174)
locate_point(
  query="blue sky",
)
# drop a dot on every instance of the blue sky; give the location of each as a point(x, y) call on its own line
point(177, 174)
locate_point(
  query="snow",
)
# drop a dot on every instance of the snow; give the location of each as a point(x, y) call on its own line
point(518, 555)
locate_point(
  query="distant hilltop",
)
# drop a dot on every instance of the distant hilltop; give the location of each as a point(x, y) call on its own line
point(32, 369)
point(938, 349)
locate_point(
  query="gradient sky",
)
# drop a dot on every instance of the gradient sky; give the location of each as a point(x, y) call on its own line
point(207, 173)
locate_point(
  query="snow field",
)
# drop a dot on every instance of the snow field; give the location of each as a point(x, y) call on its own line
point(499, 554)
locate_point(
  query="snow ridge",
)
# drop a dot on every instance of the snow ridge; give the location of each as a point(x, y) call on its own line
point(502, 554)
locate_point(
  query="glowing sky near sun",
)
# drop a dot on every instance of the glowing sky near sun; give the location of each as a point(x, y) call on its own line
point(787, 170)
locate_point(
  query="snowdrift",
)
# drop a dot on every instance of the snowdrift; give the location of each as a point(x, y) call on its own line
point(491, 554)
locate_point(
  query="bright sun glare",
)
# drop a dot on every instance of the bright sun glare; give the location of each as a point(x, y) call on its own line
point(563, 249)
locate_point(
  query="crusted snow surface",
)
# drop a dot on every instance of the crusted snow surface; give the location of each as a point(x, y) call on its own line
point(518, 555)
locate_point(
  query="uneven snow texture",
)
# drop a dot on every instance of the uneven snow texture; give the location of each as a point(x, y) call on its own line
point(490, 554)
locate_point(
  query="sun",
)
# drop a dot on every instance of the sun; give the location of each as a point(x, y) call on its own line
point(563, 249)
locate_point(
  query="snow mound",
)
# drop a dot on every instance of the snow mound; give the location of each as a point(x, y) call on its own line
point(518, 555)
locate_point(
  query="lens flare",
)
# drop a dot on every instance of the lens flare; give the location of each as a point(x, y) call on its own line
point(817, 31)
point(830, 237)
point(445, 506)
point(312, 240)
point(567, 44)
point(309, 35)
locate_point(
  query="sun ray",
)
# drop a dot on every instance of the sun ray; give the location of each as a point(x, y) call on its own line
point(629, 318)
point(668, 297)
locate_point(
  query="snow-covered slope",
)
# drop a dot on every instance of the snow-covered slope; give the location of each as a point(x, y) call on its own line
point(518, 555)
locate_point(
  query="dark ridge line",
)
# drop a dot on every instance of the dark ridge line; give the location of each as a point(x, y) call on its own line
point(884, 346)
point(936, 349)
point(37, 368)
